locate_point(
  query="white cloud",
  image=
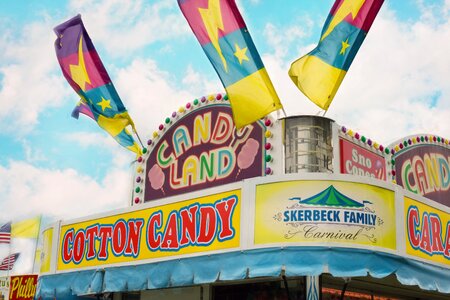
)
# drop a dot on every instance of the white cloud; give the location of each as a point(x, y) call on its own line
point(123, 26)
point(29, 191)
point(30, 79)
point(396, 86)
point(281, 40)
point(100, 140)
point(399, 69)
point(89, 139)
point(33, 155)
point(151, 94)
point(29, 83)
point(200, 85)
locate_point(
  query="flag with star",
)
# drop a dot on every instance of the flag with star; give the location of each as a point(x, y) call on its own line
point(83, 69)
point(319, 73)
point(223, 35)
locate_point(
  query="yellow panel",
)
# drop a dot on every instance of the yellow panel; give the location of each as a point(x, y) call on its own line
point(318, 80)
point(252, 98)
point(47, 237)
point(427, 232)
point(288, 212)
point(151, 233)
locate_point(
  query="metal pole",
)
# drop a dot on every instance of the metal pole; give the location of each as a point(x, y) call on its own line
point(36, 244)
point(286, 286)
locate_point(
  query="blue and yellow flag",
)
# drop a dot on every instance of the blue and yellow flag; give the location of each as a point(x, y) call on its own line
point(84, 71)
point(224, 37)
point(319, 73)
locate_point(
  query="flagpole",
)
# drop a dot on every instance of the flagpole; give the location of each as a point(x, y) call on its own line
point(284, 112)
point(9, 254)
point(139, 138)
point(36, 245)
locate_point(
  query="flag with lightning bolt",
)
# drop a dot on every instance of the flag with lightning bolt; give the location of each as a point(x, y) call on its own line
point(319, 73)
point(83, 69)
point(223, 35)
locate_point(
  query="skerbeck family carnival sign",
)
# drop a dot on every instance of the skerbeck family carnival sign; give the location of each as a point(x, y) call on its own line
point(359, 161)
point(325, 212)
point(203, 149)
point(428, 232)
point(425, 169)
point(198, 225)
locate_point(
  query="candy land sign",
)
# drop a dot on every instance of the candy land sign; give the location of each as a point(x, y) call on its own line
point(203, 149)
point(424, 169)
point(359, 161)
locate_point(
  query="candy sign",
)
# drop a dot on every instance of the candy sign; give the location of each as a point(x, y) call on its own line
point(202, 224)
point(428, 232)
point(424, 169)
point(201, 150)
point(359, 161)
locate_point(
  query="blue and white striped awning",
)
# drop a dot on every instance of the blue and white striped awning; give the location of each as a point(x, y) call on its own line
point(268, 262)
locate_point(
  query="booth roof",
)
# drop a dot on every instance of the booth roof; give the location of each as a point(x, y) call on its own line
point(268, 262)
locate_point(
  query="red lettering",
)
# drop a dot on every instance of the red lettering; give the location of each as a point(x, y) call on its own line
point(119, 237)
point(154, 238)
point(104, 234)
point(447, 241)
point(222, 129)
point(225, 209)
point(425, 243)
point(67, 248)
point(91, 234)
point(413, 222)
point(436, 233)
point(79, 246)
point(208, 225)
point(170, 240)
point(188, 225)
point(134, 234)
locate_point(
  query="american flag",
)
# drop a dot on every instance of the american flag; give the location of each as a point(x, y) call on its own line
point(8, 262)
point(5, 233)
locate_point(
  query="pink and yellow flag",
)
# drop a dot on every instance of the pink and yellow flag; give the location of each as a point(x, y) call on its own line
point(224, 37)
point(320, 73)
point(83, 69)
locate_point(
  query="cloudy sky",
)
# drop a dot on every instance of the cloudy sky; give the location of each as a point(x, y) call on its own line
point(62, 168)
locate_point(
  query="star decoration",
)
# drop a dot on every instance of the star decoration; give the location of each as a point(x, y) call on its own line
point(241, 54)
point(104, 104)
point(345, 45)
